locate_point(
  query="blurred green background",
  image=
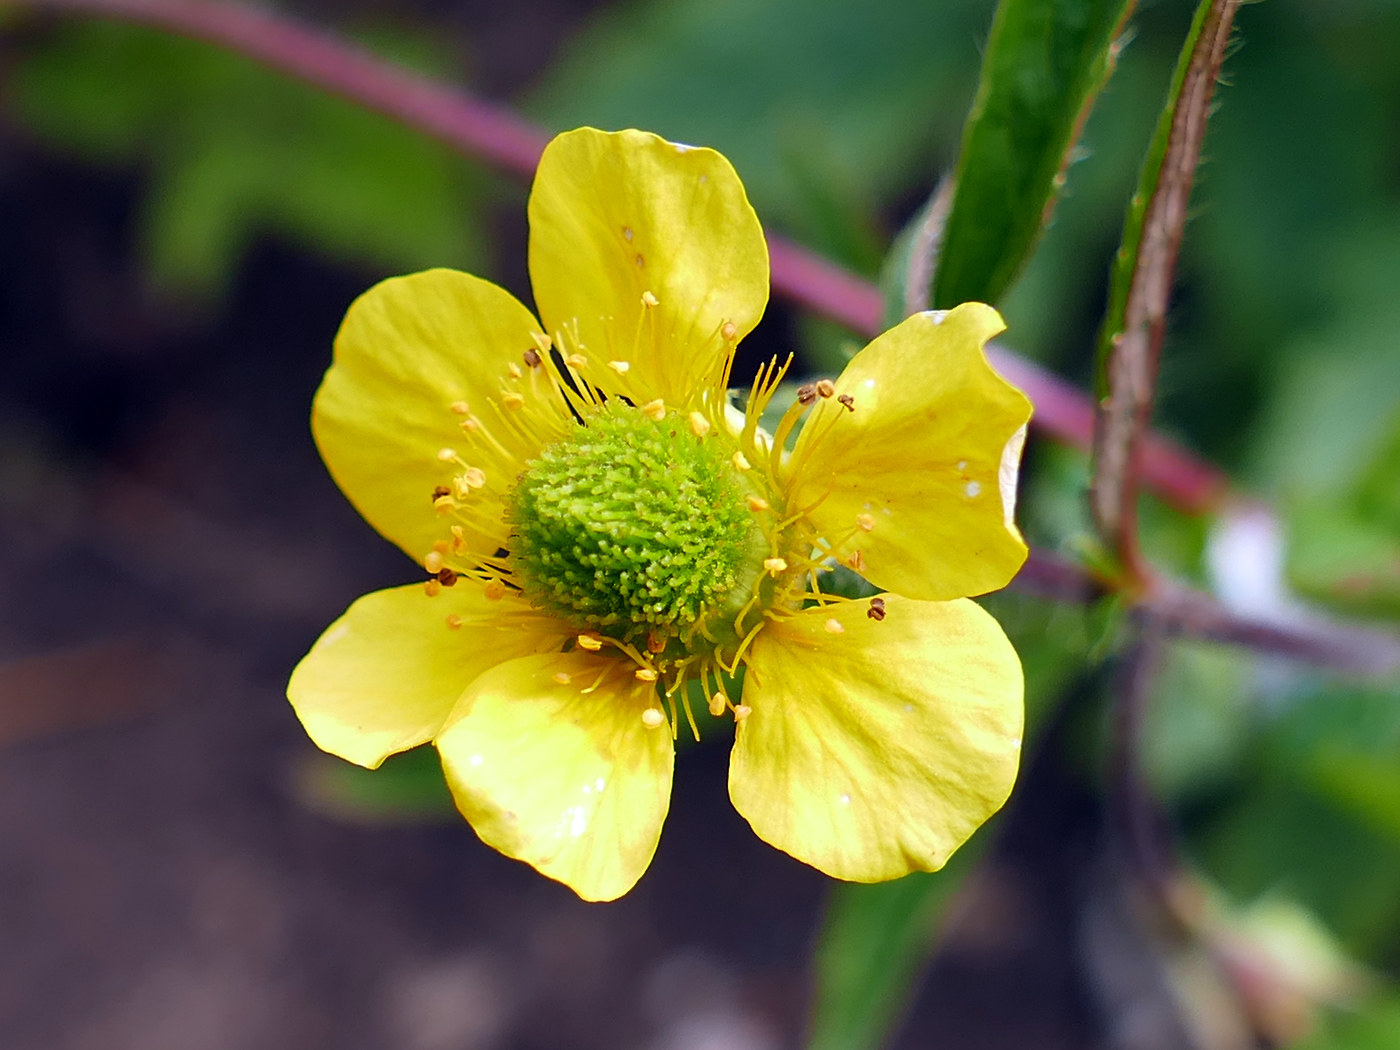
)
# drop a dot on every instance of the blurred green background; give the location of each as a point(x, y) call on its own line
point(1282, 362)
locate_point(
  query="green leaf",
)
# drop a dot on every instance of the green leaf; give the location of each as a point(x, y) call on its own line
point(874, 941)
point(1044, 65)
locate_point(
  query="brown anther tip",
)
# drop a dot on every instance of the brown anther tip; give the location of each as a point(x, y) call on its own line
point(877, 609)
point(806, 393)
point(446, 577)
point(825, 388)
point(532, 358)
point(655, 642)
point(848, 401)
point(440, 491)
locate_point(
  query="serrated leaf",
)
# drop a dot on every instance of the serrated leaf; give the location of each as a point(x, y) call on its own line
point(1044, 65)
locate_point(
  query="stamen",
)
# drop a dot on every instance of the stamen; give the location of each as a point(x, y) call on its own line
point(590, 642)
point(444, 504)
point(877, 609)
point(514, 370)
point(440, 491)
point(866, 522)
point(742, 711)
point(699, 425)
point(460, 407)
point(620, 367)
point(432, 588)
point(834, 626)
point(644, 674)
point(576, 361)
point(563, 677)
point(773, 566)
point(652, 717)
point(495, 591)
point(717, 704)
point(513, 400)
point(454, 622)
point(655, 410)
point(856, 561)
point(447, 577)
point(729, 330)
point(806, 394)
point(650, 300)
point(848, 401)
point(447, 455)
point(740, 461)
point(474, 477)
point(825, 388)
point(757, 504)
point(433, 561)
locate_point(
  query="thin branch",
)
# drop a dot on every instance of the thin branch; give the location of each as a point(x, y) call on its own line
point(499, 136)
point(1132, 365)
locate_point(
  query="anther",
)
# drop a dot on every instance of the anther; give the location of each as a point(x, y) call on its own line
point(454, 623)
point(742, 711)
point(834, 626)
point(729, 330)
point(441, 546)
point(856, 560)
point(757, 504)
point(650, 300)
point(652, 717)
point(432, 588)
point(563, 677)
point(877, 609)
point(717, 704)
point(825, 388)
point(773, 566)
point(460, 407)
point(447, 455)
point(513, 400)
point(514, 370)
point(644, 674)
point(620, 367)
point(848, 401)
point(806, 393)
point(656, 643)
point(542, 342)
point(740, 461)
point(474, 477)
point(532, 358)
point(444, 504)
point(699, 425)
point(440, 491)
point(589, 642)
point(576, 361)
point(470, 425)
point(655, 410)
point(433, 562)
point(447, 577)
point(866, 522)
point(495, 591)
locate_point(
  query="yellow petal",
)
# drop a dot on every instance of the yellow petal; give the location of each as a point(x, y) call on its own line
point(641, 253)
point(878, 750)
point(385, 676)
point(922, 467)
point(573, 783)
point(417, 357)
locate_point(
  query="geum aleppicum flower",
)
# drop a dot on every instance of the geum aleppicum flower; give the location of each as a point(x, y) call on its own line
point(602, 529)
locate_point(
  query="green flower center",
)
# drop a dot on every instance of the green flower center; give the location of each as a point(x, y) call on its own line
point(636, 527)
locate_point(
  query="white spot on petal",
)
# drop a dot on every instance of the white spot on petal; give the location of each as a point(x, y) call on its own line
point(627, 232)
point(845, 800)
point(962, 464)
point(599, 784)
point(476, 760)
point(973, 489)
point(936, 316)
point(579, 824)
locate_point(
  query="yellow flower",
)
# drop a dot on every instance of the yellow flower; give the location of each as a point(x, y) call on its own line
point(602, 528)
